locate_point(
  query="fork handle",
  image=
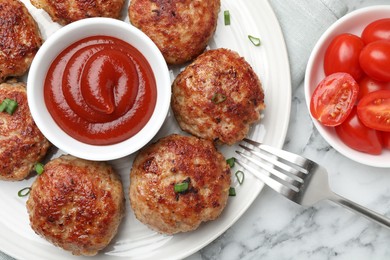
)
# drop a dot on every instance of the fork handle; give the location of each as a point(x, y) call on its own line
point(365, 212)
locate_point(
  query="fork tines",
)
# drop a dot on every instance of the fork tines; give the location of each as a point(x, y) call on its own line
point(281, 170)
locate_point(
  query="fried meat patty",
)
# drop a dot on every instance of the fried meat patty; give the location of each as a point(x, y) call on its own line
point(76, 204)
point(20, 39)
point(181, 29)
point(171, 161)
point(67, 11)
point(22, 145)
point(218, 97)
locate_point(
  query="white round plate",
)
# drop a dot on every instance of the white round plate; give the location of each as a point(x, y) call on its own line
point(135, 240)
point(354, 23)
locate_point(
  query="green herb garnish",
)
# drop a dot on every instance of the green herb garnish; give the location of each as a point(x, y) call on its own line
point(9, 106)
point(240, 176)
point(226, 15)
point(256, 41)
point(231, 162)
point(232, 191)
point(39, 168)
point(218, 98)
point(24, 192)
point(181, 187)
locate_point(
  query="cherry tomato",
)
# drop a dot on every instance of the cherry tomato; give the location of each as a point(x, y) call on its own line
point(375, 60)
point(342, 55)
point(359, 137)
point(373, 110)
point(377, 30)
point(368, 85)
point(334, 98)
point(386, 139)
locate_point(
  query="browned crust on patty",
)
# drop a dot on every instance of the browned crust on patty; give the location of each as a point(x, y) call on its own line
point(20, 39)
point(76, 204)
point(218, 97)
point(67, 11)
point(172, 160)
point(21, 143)
point(181, 29)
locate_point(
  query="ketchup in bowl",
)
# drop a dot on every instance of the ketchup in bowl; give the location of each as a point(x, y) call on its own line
point(100, 90)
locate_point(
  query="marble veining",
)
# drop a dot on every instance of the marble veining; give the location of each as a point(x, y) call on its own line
point(275, 228)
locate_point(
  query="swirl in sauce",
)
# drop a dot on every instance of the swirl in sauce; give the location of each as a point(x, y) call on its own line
point(100, 90)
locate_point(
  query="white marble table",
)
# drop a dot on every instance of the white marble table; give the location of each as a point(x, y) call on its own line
point(275, 228)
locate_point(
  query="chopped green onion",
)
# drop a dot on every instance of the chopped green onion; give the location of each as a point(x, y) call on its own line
point(12, 106)
point(39, 168)
point(24, 192)
point(231, 162)
point(240, 176)
point(3, 105)
point(218, 98)
point(232, 191)
point(226, 15)
point(256, 41)
point(181, 187)
point(9, 106)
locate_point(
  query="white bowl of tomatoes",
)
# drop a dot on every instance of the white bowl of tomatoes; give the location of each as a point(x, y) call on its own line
point(347, 85)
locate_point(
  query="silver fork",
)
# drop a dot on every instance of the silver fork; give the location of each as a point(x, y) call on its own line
point(297, 178)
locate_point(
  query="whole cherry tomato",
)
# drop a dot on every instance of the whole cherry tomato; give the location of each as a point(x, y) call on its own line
point(368, 85)
point(333, 98)
point(375, 60)
point(373, 110)
point(342, 55)
point(377, 30)
point(359, 137)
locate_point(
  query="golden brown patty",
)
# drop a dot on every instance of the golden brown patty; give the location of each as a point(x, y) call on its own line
point(217, 97)
point(76, 204)
point(173, 160)
point(20, 39)
point(21, 143)
point(181, 29)
point(67, 11)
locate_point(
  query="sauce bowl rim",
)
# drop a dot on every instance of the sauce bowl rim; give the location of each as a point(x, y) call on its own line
point(71, 33)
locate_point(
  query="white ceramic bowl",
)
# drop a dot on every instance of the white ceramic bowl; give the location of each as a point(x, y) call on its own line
point(65, 37)
point(354, 23)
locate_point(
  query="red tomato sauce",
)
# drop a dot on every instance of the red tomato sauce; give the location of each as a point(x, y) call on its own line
point(100, 90)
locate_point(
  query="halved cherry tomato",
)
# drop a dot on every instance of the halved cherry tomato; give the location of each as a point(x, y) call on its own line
point(374, 110)
point(377, 30)
point(359, 137)
point(342, 55)
point(333, 99)
point(368, 85)
point(375, 60)
point(386, 139)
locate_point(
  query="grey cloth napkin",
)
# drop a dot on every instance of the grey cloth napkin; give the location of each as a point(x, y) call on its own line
point(5, 257)
point(302, 23)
